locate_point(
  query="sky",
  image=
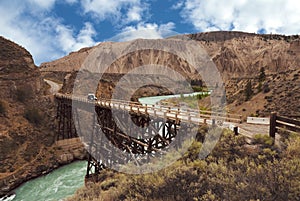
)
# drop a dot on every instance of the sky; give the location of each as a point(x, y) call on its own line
point(50, 29)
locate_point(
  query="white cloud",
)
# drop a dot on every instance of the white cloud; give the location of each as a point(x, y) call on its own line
point(146, 31)
point(178, 5)
point(48, 4)
point(115, 10)
point(44, 36)
point(134, 14)
point(68, 42)
point(44, 4)
point(71, 1)
point(280, 16)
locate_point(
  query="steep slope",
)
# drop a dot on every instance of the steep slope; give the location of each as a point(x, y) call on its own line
point(238, 56)
point(24, 115)
point(27, 124)
point(235, 54)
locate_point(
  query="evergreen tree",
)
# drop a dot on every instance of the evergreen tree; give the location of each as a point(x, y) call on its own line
point(262, 75)
point(248, 91)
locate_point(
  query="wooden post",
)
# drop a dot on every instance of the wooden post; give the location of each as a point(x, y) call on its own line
point(235, 130)
point(272, 124)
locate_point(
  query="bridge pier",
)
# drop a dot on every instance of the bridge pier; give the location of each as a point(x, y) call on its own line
point(114, 135)
point(66, 127)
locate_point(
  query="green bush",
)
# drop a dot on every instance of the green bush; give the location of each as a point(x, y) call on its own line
point(263, 139)
point(197, 88)
point(33, 116)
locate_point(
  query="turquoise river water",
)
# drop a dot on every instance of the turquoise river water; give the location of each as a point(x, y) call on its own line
point(54, 186)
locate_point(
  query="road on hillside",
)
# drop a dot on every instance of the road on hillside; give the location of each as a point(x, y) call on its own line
point(54, 87)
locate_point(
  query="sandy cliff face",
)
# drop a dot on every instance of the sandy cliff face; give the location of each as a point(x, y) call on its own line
point(238, 56)
point(234, 53)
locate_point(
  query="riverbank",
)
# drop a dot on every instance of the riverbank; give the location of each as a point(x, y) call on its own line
point(49, 158)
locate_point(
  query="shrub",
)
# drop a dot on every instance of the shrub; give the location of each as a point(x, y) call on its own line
point(33, 116)
point(3, 107)
point(248, 91)
point(263, 139)
point(262, 75)
point(266, 88)
point(23, 94)
point(271, 177)
point(197, 88)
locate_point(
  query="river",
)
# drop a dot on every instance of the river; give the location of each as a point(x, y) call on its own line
point(154, 99)
point(54, 186)
point(64, 181)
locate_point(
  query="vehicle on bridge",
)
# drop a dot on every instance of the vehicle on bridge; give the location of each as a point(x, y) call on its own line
point(91, 97)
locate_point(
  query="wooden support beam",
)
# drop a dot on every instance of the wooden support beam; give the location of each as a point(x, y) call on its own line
point(272, 131)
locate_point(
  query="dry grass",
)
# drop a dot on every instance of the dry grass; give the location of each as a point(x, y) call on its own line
point(229, 173)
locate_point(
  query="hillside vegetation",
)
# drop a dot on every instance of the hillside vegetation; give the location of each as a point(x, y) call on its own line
point(235, 170)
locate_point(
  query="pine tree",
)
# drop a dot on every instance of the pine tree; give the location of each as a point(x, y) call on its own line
point(262, 75)
point(248, 91)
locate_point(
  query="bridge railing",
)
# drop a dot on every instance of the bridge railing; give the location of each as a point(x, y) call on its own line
point(176, 113)
point(279, 122)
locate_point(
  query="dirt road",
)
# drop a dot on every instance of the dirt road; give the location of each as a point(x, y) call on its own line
point(55, 87)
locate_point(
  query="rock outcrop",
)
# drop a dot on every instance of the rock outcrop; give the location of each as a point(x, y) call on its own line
point(27, 126)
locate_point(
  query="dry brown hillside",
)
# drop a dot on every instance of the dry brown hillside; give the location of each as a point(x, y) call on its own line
point(24, 121)
point(27, 126)
point(238, 56)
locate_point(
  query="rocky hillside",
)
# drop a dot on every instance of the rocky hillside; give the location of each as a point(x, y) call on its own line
point(24, 127)
point(22, 100)
point(238, 56)
point(235, 54)
point(69, 63)
point(27, 126)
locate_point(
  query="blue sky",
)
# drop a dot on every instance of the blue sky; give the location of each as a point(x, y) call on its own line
point(50, 29)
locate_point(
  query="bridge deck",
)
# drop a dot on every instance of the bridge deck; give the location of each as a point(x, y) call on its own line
point(174, 113)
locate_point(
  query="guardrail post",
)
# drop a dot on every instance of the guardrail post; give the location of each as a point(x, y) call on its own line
point(272, 124)
point(236, 130)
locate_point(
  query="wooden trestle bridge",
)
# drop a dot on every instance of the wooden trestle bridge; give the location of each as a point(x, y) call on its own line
point(154, 127)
